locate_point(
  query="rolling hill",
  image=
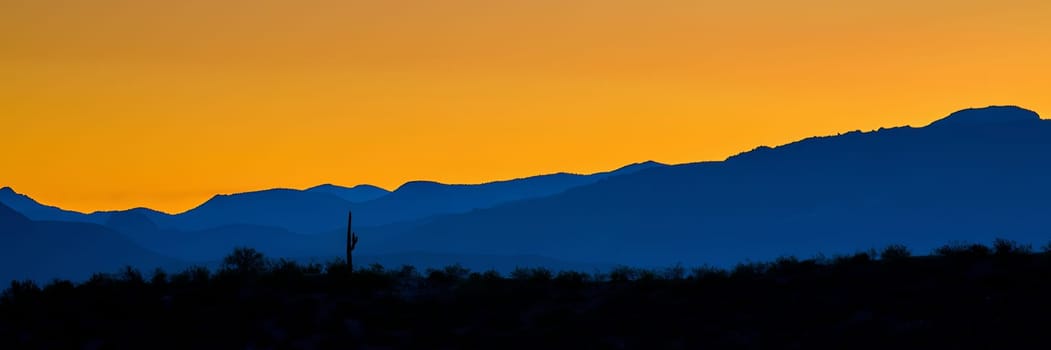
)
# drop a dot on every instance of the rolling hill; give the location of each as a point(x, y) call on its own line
point(323, 208)
point(42, 250)
point(974, 175)
point(356, 194)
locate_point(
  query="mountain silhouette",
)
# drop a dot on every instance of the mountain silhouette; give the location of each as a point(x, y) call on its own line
point(989, 116)
point(323, 208)
point(273, 221)
point(421, 199)
point(42, 250)
point(292, 210)
point(974, 175)
point(356, 194)
point(34, 210)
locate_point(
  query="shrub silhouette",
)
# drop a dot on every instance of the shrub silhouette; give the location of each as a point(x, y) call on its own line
point(450, 274)
point(535, 274)
point(571, 278)
point(621, 274)
point(289, 272)
point(788, 302)
point(857, 259)
point(784, 265)
point(676, 272)
point(406, 272)
point(129, 274)
point(487, 276)
point(895, 252)
point(244, 261)
point(159, 277)
point(192, 275)
point(708, 272)
point(59, 288)
point(19, 291)
point(749, 269)
point(100, 280)
point(337, 267)
point(1005, 247)
point(959, 249)
point(646, 275)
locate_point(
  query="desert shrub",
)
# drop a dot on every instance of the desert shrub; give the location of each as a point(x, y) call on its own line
point(19, 291)
point(375, 268)
point(676, 272)
point(749, 269)
point(859, 258)
point(406, 272)
point(244, 261)
point(492, 275)
point(520, 273)
point(100, 280)
point(622, 274)
point(541, 274)
point(821, 259)
point(283, 265)
point(313, 268)
point(159, 277)
point(286, 271)
point(486, 276)
point(457, 272)
point(449, 274)
point(708, 272)
point(59, 287)
point(533, 274)
point(337, 268)
point(130, 274)
point(646, 275)
point(571, 278)
point(193, 274)
point(1005, 247)
point(784, 264)
point(957, 249)
point(895, 252)
point(599, 276)
point(374, 277)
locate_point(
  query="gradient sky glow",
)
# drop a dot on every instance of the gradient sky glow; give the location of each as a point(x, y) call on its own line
point(111, 104)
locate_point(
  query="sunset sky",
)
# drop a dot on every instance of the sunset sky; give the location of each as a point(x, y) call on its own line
point(112, 104)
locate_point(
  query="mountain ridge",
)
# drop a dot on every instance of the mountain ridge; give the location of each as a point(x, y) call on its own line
point(918, 186)
point(982, 172)
point(314, 209)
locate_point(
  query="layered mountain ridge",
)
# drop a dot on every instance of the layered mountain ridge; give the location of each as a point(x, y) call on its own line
point(973, 175)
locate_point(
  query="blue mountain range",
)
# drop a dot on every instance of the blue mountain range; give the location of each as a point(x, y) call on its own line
point(971, 176)
point(292, 223)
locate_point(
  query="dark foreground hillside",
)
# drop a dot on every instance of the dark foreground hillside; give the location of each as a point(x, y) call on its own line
point(962, 296)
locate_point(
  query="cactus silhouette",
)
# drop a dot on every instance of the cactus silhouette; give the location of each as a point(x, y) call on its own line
point(352, 241)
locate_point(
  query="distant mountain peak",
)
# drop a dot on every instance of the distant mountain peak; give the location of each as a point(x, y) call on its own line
point(985, 116)
point(358, 193)
point(325, 187)
point(419, 185)
point(640, 166)
point(9, 192)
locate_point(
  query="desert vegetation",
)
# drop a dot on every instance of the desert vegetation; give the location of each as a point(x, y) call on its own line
point(962, 295)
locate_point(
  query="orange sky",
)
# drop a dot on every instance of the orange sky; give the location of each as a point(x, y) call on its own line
point(111, 104)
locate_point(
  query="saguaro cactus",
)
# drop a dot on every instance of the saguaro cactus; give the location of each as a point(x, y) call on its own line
point(352, 241)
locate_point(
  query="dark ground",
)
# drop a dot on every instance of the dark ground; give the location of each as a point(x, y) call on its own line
point(964, 296)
